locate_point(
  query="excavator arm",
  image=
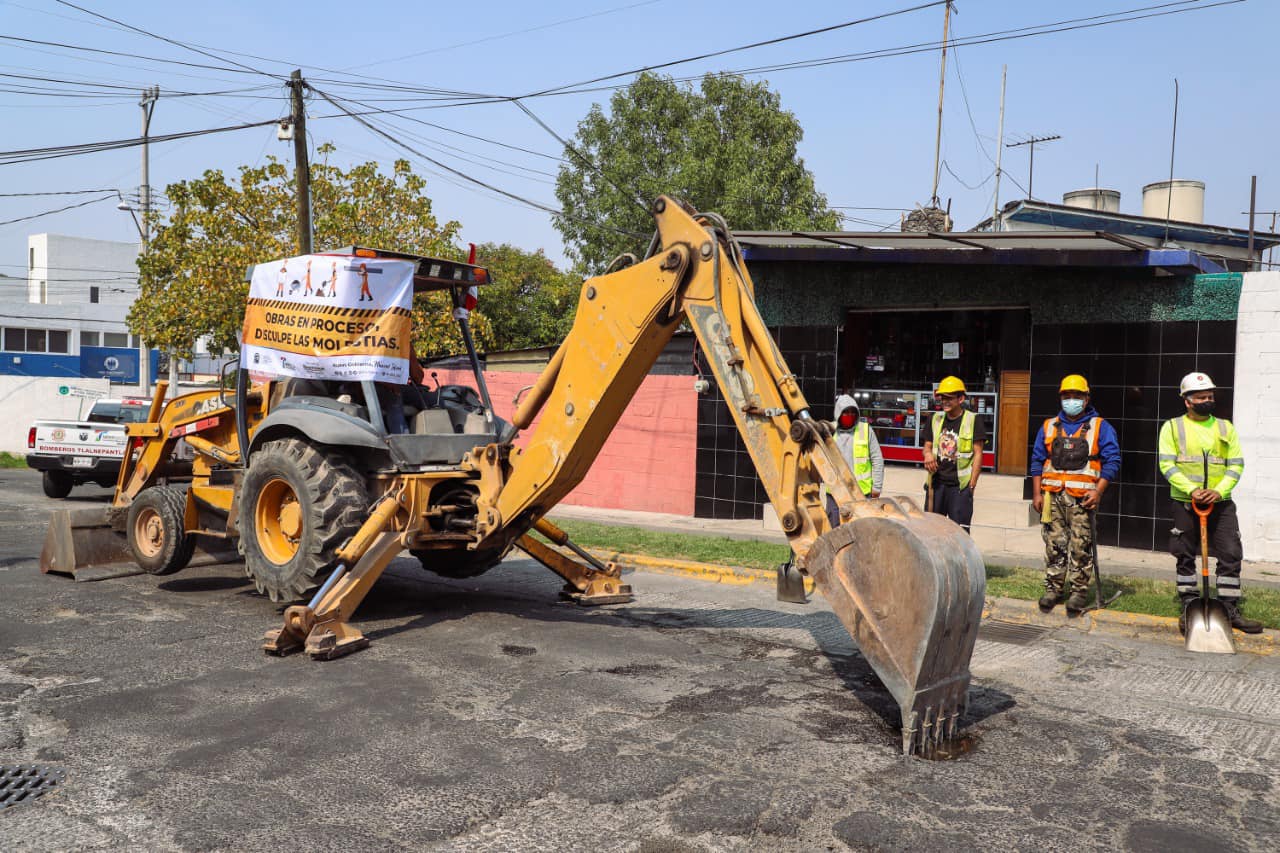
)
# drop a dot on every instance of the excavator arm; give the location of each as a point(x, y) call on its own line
point(908, 586)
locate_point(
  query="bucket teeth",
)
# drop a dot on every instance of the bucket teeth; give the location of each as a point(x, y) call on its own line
point(909, 734)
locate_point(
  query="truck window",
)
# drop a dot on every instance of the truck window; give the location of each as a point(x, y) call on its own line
point(104, 413)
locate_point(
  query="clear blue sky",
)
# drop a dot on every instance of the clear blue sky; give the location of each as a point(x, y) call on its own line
point(869, 125)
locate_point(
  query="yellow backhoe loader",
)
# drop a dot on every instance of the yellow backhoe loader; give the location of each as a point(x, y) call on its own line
point(320, 497)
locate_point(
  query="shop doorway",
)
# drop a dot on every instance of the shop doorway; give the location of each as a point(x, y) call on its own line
point(891, 359)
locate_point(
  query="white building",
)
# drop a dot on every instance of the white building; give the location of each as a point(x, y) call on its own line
point(64, 270)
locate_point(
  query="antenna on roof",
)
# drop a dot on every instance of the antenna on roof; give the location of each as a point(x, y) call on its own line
point(1173, 143)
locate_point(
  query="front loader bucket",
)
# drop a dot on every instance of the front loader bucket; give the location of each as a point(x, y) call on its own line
point(910, 588)
point(82, 543)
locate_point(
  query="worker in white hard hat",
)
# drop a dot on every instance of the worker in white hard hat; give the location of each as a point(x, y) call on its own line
point(1201, 458)
point(861, 452)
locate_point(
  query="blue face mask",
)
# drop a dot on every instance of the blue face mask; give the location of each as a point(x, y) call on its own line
point(1073, 407)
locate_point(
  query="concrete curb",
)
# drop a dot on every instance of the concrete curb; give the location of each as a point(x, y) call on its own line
point(1140, 626)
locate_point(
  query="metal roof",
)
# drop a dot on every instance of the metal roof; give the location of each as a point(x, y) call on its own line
point(1064, 216)
point(1006, 248)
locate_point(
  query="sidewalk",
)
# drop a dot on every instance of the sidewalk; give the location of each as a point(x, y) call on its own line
point(1000, 530)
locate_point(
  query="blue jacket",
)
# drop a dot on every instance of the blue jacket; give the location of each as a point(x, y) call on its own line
point(1108, 444)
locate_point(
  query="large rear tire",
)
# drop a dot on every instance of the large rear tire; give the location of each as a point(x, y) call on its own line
point(56, 484)
point(298, 505)
point(157, 532)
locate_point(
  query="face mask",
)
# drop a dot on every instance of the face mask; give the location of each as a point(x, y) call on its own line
point(847, 420)
point(1205, 408)
point(1073, 407)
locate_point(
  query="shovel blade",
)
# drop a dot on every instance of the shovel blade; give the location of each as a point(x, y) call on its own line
point(82, 543)
point(910, 589)
point(1209, 628)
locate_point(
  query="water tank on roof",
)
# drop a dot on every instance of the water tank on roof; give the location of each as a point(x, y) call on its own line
point(1187, 204)
point(1093, 199)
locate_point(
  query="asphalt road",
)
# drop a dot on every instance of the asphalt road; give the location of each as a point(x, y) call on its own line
point(487, 716)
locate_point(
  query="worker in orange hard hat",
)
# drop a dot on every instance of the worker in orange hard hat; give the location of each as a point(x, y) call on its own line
point(1075, 456)
point(953, 440)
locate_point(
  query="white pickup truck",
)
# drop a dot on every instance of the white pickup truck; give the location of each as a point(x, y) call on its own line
point(70, 453)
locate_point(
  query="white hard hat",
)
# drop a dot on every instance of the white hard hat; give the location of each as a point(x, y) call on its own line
point(1195, 382)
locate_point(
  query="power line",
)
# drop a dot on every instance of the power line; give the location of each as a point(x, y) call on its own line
point(53, 192)
point(167, 40)
point(58, 210)
point(32, 154)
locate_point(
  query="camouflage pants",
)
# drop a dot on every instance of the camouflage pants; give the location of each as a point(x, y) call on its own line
point(1068, 544)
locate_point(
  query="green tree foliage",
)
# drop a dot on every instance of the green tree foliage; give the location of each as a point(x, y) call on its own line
point(729, 147)
point(192, 276)
point(530, 303)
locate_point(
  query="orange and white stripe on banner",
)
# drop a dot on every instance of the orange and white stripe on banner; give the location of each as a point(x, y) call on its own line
point(330, 317)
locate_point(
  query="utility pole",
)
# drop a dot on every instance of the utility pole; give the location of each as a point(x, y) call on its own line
point(148, 105)
point(1031, 170)
point(995, 209)
point(302, 169)
point(942, 82)
point(1271, 253)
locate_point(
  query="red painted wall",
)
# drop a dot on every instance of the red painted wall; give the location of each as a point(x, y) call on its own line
point(646, 464)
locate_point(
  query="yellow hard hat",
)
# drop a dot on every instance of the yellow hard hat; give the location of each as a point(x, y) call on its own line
point(1074, 382)
point(951, 385)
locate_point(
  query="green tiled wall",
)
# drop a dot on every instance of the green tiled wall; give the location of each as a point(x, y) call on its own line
point(806, 293)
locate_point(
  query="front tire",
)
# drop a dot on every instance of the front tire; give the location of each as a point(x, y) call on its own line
point(157, 531)
point(56, 484)
point(298, 505)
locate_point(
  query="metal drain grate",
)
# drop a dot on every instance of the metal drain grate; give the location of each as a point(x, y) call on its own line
point(22, 783)
point(1011, 633)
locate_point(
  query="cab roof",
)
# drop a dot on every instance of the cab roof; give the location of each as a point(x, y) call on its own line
point(431, 273)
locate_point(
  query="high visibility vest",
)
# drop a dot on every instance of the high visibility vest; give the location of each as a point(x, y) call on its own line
point(964, 444)
point(1080, 481)
point(1189, 456)
point(855, 446)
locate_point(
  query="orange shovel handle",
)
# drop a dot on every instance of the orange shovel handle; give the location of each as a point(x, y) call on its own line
point(1203, 512)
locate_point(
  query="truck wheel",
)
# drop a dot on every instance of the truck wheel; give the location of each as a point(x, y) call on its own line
point(298, 505)
point(57, 484)
point(157, 531)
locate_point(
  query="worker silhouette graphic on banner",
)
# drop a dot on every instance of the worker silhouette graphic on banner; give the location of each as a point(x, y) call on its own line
point(287, 333)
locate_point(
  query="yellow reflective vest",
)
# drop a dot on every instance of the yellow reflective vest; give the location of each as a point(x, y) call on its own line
point(1184, 446)
point(855, 447)
point(964, 444)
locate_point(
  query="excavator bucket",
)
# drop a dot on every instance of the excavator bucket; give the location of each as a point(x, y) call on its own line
point(910, 588)
point(82, 543)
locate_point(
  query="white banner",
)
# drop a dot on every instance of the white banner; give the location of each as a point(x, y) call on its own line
point(330, 317)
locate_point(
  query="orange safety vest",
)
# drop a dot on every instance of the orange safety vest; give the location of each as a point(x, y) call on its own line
point(1082, 480)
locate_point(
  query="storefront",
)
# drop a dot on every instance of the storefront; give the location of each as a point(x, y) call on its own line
point(891, 360)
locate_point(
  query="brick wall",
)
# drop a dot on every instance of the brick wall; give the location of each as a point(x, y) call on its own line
point(648, 461)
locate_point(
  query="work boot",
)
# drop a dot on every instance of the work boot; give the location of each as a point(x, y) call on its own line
point(1184, 604)
point(1078, 601)
point(1239, 621)
point(1050, 599)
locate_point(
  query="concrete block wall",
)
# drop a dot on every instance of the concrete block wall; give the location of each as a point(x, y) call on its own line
point(23, 399)
point(1257, 414)
point(647, 463)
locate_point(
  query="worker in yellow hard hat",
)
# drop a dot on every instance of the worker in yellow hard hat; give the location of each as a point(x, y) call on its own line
point(1073, 459)
point(953, 440)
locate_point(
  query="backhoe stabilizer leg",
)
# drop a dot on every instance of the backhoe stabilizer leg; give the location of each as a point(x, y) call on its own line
point(585, 585)
point(323, 630)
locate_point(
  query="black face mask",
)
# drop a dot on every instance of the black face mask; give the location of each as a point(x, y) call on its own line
point(1205, 408)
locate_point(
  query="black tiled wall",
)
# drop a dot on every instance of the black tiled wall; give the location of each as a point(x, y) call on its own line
point(726, 484)
point(1133, 371)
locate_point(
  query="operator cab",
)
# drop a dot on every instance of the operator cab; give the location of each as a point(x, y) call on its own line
point(418, 425)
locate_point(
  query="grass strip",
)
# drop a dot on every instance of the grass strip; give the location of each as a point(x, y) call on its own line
point(1139, 595)
point(12, 460)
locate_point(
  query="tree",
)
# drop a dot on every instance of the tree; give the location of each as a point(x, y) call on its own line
point(530, 303)
point(730, 148)
point(192, 276)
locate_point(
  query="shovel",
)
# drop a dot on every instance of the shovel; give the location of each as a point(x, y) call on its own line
point(1208, 626)
point(1098, 603)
